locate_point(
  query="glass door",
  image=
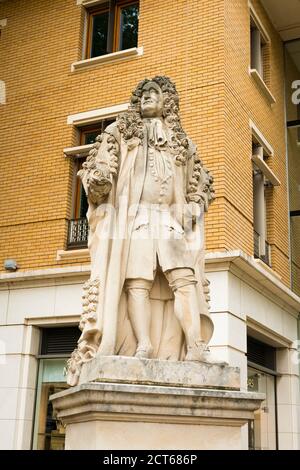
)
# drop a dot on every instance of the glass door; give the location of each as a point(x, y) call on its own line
point(264, 418)
point(49, 434)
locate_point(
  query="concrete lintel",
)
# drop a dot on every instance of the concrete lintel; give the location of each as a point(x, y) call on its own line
point(247, 264)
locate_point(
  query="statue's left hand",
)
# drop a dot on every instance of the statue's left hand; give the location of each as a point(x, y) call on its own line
point(193, 210)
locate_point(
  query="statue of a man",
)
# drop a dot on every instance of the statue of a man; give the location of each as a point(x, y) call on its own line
point(147, 190)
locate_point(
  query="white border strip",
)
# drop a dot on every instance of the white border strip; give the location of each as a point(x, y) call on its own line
point(214, 261)
point(72, 254)
point(261, 139)
point(2, 92)
point(266, 170)
point(77, 152)
point(258, 23)
point(107, 58)
point(260, 82)
point(89, 117)
point(90, 3)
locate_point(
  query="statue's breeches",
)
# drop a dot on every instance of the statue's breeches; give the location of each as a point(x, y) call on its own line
point(155, 240)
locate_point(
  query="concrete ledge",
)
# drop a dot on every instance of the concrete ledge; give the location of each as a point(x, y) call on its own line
point(77, 152)
point(263, 87)
point(82, 253)
point(87, 402)
point(123, 369)
point(267, 279)
point(90, 3)
point(122, 416)
point(48, 273)
point(106, 58)
point(3, 23)
point(261, 139)
point(266, 170)
point(95, 115)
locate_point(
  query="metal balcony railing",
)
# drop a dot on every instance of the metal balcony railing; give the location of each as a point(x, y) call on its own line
point(265, 258)
point(78, 231)
point(256, 244)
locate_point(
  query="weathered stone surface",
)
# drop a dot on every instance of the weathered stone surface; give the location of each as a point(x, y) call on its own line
point(122, 369)
point(114, 416)
point(147, 190)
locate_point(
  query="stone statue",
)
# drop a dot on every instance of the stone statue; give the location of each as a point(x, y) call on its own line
point(147, 190)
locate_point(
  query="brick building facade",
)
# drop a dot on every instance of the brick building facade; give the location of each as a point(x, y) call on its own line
point(53, 94)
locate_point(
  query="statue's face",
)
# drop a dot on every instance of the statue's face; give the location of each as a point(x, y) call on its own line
point(152, 101)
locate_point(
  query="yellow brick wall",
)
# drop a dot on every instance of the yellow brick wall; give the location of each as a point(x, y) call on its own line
point(202, 45)
point(243, 101)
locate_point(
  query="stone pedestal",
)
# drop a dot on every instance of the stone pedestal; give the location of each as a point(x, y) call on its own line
point(128, 403)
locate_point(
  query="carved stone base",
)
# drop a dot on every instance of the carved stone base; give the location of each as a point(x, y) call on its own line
point(124, 369)
point(102, 415)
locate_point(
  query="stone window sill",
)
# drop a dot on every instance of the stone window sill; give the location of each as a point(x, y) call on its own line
point(263, 87)
point(107, 58)
point(77, 152)
point(266, 170)
point(3, 23)
point(63, 255)
point(96, 115)
point(267, 268)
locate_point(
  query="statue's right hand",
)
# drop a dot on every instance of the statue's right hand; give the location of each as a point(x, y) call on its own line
point(99, 183)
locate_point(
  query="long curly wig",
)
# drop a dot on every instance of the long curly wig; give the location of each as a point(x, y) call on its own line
point(131, 125)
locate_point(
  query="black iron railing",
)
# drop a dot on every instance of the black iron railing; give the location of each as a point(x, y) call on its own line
point(256, 244)
point(266, 258)
point(78, 231)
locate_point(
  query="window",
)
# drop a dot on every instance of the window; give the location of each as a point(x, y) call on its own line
point(48, 433)
point(264, 181)
point(78, 227)
point(258, 50)
point(56, 346)
point(88, 136)
point(261, 245)
point(260, 46)
point(112, 27)
point(262, 378)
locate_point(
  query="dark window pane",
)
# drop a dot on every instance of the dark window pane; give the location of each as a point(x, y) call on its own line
point(99, 34)
point(107, 122)
point(129, 26)
point(90, 137)
point(61, 340)
point(89, 134)
point(83, 203)
point(261, 353)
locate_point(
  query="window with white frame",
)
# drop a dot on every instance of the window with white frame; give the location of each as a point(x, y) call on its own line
point(57, 344)
point(258, 49)
point(262, 378)
point(88, 136)
point(260, 46)
point(111, 26)
point(89, 125)
point(264, 181)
